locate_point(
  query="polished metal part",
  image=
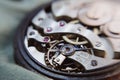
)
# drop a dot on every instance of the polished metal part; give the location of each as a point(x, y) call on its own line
point(67, 49)
point(74, 42)
point(37, 55)
point(72, 28)
point(34, 34)
point(39, 17)
point(85, 59)
point(59, 59)
point(109, 48)
point(115, 44)
point(68, 43)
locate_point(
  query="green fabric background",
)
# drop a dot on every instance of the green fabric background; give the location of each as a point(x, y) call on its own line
point(11, 13)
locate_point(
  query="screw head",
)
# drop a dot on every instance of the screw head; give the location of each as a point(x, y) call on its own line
point(32, 33)
point(40, 19)
point(94, 63)
point(57, 60)
point(79, 29)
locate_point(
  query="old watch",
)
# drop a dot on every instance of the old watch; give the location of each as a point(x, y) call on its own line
point(71, 40)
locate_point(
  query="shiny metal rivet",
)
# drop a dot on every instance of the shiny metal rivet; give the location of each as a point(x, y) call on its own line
point(49, 29)
point(62, 23)
point(46, 39)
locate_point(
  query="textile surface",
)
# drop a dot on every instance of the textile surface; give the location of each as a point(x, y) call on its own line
point(11, 14)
